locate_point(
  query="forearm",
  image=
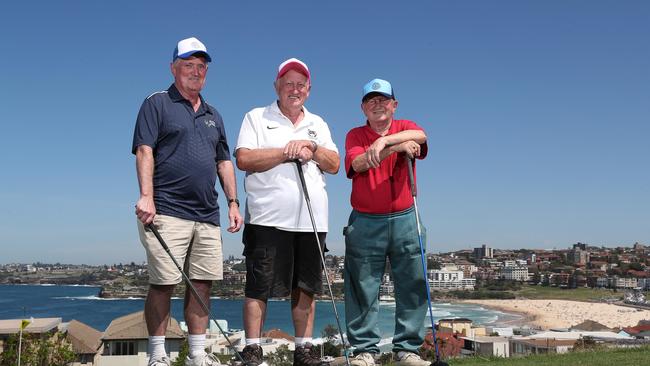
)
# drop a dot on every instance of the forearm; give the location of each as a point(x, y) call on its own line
point(361, 163)
point(144, 166)
point(259, 160)
point(408, 135)
point(226, 173)
point(328, 160)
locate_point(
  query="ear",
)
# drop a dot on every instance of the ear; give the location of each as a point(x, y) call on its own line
point(395, 104)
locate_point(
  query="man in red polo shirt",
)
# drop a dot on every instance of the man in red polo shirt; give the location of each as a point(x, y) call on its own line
point(382, 226)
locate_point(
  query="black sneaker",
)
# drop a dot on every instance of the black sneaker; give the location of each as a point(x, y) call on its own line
point(252, 355)
point(307, 356)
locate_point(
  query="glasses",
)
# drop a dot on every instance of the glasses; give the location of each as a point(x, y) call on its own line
point(292, 86)
point(190, 66)
point(377, 100)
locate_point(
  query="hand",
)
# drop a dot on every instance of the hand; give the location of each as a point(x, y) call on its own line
point(145, 209)
point(235, 219)
point(293, 148)
point(305, 155)
point(372, 154)
point(410, 148)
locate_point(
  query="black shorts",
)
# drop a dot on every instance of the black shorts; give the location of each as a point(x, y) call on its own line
point(279, 261)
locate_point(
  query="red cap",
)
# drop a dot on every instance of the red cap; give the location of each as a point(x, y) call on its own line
point(293, 64)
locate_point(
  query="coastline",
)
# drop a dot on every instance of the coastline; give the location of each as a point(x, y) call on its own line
point(554, 314)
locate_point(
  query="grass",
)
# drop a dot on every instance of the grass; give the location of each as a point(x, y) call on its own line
point(578, 294)
point(611, 357)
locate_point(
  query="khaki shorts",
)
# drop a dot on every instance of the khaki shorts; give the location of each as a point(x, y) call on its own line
point(195, 245)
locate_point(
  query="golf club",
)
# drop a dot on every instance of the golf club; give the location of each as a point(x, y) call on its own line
point(414, 193)
point(193, 290)
point(322, 257)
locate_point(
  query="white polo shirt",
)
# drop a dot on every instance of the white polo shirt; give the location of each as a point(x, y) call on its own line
point(274, 197)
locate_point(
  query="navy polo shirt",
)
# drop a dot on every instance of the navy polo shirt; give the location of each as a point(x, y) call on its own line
point(186, 148)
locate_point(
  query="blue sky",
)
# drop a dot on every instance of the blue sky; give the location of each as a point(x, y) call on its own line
point(537, 112)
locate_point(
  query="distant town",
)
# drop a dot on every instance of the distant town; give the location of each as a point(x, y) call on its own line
point(450, 274)
point(614, 314)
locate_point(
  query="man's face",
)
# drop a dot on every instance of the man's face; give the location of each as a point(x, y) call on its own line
point(189, 74)
point(292, 89)
point(379, 108)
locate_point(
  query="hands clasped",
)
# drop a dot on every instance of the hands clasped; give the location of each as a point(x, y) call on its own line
point(303, 150)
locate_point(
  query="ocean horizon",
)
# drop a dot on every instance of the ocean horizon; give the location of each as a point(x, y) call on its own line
point(82, 303)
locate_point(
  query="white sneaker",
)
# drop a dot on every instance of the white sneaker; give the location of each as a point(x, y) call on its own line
point(163, 361)
point(205, 360)
point(363, 359)
point(410, 359)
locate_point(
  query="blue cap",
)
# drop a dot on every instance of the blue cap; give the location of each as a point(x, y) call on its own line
point(190, 46)
point(379, 86)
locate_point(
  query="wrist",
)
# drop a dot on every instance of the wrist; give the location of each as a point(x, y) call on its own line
point(314, 146)
point(233, 200)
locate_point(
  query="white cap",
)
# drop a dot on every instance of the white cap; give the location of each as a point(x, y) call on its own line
point(189, 46)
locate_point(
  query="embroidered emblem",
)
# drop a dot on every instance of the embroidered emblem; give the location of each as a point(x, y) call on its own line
point(210, 123)
point(311, 133)
point(272, 127)
point(376, 86)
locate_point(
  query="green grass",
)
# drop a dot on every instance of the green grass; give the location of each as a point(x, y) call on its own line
point(616, 357)
point(578, 294)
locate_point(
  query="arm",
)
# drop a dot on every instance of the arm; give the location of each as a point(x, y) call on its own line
point(226, 174)
point(145, 208)
point(407, 141)
point(327, 159)
point(259, 160)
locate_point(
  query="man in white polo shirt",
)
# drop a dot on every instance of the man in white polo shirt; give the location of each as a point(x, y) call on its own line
point(280, 247)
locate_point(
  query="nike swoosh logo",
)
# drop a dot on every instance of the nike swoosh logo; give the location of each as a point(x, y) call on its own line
point(272, 127)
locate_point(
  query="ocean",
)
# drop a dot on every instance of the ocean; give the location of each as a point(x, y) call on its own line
point(83, 304)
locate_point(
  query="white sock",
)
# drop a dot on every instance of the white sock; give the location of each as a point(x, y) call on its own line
point(157, 347)
point(197, 345)
point(300, 341)
point(250, 341)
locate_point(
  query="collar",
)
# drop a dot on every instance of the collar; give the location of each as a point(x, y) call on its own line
point(176, 96)
point(276, 109)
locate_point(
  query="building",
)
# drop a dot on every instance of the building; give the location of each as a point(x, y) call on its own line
point(125, 341)
point(515, 273)
point(483, 252)
point(527, 346)
point(41, 327)
point(441, 280)
point(86, 342)
point(487, 346)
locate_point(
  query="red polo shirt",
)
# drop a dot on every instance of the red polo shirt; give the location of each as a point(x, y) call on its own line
point(384, 189)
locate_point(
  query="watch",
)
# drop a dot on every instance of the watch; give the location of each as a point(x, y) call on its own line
point(233, 200)
point(314, 145)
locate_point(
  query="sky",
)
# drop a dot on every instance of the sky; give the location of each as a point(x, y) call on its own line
point(537, 112)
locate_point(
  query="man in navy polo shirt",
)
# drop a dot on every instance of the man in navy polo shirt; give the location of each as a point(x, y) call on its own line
point(180, 147)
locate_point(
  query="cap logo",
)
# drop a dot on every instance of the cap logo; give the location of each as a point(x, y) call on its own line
point(196, 45)
point(376, 86)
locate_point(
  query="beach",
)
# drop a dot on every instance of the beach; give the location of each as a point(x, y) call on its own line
point(547, 314)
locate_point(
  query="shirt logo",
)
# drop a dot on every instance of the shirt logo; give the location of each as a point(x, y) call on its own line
point(311, 133)
point(272, 127)
point(210, 123)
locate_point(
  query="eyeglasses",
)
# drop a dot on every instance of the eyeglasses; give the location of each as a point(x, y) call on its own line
point(377, 100)
point(292, 86)
point(190, 66)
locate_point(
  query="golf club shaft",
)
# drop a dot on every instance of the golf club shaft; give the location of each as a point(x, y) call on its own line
point(188, 282)
point(409, 163)
point(322, 256)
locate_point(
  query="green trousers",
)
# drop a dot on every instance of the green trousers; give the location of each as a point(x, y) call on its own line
point(369, 240)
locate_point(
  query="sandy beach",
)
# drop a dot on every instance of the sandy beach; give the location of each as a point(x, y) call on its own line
point(563, 313)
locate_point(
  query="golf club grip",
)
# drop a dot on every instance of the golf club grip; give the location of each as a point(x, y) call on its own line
point(414, 189)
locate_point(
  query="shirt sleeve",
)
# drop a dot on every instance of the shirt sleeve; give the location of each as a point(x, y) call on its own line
point(410, 125)
point(247, 134)
point(325, 138)
point(146, 126)
point(353, 148)
point(222, 144)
